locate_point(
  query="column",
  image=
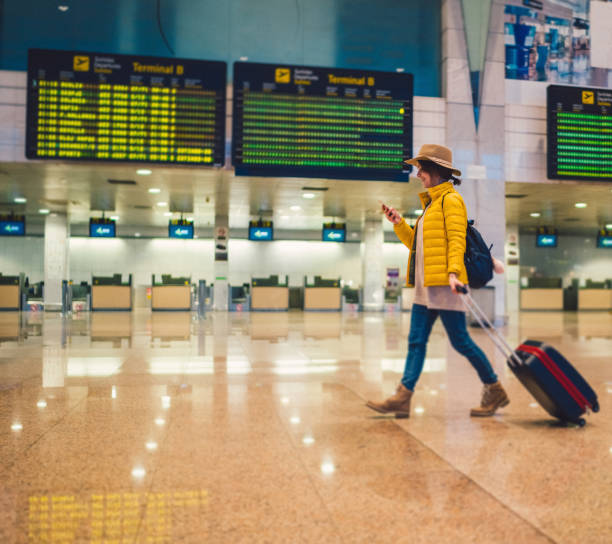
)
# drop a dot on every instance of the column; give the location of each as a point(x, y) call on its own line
point(513, 258)
point(221, 268)
point(221, 240)
point(56, 262)
point(372, 265)
point(478, 150)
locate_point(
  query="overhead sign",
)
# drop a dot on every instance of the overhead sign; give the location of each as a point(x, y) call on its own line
point(180, 228)
point(546, 240)
point(604, 239)
point(12, 225)
point(101, 227)
point(334, 232)
point(261, 231)
point(107, 107)
point(321, 122)
point(579, 134)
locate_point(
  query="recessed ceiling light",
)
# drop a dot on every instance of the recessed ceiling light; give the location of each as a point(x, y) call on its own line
point(580, 205)
point(43, 211)
point(535, 214)
point(308, 195)
point(295, 208)
point(307, 440)
point(168, 214)
point(399, 70)
point(20, 200)
point(243, 59)
point(162, 203)
point(154, 190)
point(609, 226)
point(151, 446)
point(144, 172)
point(115, 217)
point(41, 404)
point(137, 234)
point(63, 9)
point(418, 212)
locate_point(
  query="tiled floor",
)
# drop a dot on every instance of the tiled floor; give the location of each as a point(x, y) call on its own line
point(252, 428)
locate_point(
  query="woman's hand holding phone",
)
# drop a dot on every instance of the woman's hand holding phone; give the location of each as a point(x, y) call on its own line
point(391, 214)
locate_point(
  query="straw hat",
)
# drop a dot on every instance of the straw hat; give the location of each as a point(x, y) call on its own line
point(435, 153)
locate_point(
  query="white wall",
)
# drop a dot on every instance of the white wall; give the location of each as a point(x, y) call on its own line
point(575, 257)
point(246, 259)
point(25, 255)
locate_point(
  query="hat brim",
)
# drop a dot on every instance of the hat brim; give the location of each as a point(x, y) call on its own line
point(415, 162)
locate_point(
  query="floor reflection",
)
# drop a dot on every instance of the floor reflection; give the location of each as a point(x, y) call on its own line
point(111, 517)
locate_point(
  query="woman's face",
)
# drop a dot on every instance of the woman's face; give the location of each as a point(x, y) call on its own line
point(427, 179)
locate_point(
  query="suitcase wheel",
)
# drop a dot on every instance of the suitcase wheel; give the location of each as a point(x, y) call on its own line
point(581, 422)
point(596, 407)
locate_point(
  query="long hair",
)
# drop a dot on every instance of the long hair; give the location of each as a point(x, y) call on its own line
point(434, 169)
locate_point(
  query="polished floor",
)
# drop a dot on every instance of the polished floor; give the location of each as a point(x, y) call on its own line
point(166, 428)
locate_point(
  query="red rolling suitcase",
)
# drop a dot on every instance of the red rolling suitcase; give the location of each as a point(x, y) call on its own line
point(548, 376)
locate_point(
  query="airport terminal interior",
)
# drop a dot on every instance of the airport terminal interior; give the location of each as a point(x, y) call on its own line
point(200, 293)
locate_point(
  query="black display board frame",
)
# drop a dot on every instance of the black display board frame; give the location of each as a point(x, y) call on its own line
point(582, 153)
point(368, 87)
point(190, 77)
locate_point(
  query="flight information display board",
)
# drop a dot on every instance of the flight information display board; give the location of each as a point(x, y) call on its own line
point(579, 133)
point(321, 122)
point(106, 107)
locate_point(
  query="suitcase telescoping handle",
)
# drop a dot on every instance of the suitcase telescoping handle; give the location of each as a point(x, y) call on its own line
point(484, 322)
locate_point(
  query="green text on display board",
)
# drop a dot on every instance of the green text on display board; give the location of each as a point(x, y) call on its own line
point(106, 107)
point(321, 122)
point(579, 133)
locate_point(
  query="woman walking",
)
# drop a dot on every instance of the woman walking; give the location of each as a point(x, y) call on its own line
point(436, 269)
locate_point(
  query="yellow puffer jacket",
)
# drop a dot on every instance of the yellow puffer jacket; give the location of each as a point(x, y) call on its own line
point(443, 236)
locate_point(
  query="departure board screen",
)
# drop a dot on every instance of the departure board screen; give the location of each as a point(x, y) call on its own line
point(106, 107)
point(579, 133)
point(321, 122)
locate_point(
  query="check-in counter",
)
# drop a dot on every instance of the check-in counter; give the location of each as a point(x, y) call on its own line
point(10, 293)
point(267, 294)
point(594, 299)
point(541, 299)
point(323, 295)
point(172, 294)
point(542, 293)
point(111, 293)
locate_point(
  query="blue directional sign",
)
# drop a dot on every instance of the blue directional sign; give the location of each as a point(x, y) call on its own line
point(546, 240)
point(334, 235)
point(12, 228)
point(100, 227)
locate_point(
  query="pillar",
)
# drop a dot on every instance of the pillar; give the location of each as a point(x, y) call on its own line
point(372, 265)
point(56, 261)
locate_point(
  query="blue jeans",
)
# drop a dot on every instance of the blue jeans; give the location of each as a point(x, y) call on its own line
point(421, 322)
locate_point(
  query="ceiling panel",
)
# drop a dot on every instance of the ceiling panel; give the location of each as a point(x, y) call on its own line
point(83, 190)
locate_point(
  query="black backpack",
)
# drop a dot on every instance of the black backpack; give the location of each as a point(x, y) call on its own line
point(477, 258)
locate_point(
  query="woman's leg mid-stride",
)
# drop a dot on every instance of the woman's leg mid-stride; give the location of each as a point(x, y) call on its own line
point(421, 322)
point(493, 396)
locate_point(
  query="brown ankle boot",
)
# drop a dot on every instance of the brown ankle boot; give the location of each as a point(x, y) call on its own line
point(493, 397)
point(398, 403)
